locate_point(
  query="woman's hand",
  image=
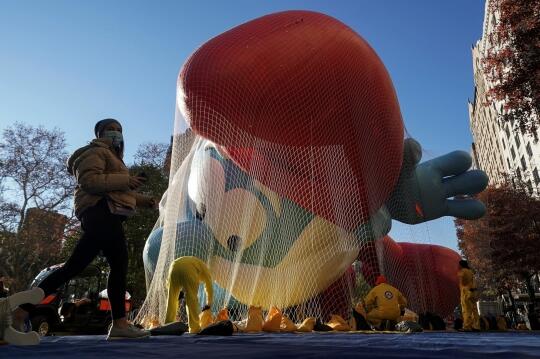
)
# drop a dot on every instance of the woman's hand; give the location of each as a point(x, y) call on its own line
point(136, 181)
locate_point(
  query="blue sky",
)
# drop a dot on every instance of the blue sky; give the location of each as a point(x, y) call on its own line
point(67, 64)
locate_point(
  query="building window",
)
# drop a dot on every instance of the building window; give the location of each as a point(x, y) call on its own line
point(504, 143)
point(523, 163)
point(529, 149)
point(516, 138)
point(536, 177)
point(513, 153)
point(507, 131)
point(508, 161)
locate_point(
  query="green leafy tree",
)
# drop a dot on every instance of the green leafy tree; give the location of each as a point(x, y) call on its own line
point(149, 160)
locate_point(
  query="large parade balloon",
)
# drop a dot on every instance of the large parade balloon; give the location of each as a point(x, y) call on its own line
point(291, 171)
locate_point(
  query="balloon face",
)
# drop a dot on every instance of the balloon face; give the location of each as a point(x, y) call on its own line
point(302, 103)
point(261, 248)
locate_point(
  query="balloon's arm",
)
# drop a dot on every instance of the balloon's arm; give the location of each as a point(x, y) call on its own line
point(443, 186)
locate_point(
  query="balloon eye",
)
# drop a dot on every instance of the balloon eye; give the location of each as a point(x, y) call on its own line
point(234, 243)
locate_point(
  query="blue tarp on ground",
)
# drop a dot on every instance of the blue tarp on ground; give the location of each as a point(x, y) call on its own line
point(314, 345)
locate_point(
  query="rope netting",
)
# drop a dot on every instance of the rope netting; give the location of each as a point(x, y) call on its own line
point(288, 145)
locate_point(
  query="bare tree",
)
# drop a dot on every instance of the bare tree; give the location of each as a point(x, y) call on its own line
point(151, 154)
point(35, 201)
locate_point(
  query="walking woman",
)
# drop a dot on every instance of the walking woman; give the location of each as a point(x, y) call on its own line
point(105, 195)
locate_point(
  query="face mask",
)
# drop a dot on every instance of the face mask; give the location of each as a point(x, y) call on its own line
point(116, 137)
point(117, 141)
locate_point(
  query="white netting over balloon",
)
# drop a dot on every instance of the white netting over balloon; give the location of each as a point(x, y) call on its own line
point(289, 163)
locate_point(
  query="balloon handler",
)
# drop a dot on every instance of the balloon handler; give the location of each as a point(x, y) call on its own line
point(185, 274)
point(469, 297)
point(384, 303)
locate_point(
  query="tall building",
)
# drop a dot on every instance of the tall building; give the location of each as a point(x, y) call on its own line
point(499, 148)
point(44, 226)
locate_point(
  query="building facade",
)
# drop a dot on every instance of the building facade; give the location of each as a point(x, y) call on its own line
point(499, 148)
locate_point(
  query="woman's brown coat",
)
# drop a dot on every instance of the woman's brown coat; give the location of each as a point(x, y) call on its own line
point(100, 173)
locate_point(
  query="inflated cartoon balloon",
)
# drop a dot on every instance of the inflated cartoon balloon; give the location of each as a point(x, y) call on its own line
point(296, 166)
point(8, 333)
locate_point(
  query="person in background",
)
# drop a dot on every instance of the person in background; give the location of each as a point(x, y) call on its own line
point(105, 196)
point(469, 297)
point(384, 303)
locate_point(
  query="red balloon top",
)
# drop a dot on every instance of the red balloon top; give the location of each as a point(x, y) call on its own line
point(302, 103)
